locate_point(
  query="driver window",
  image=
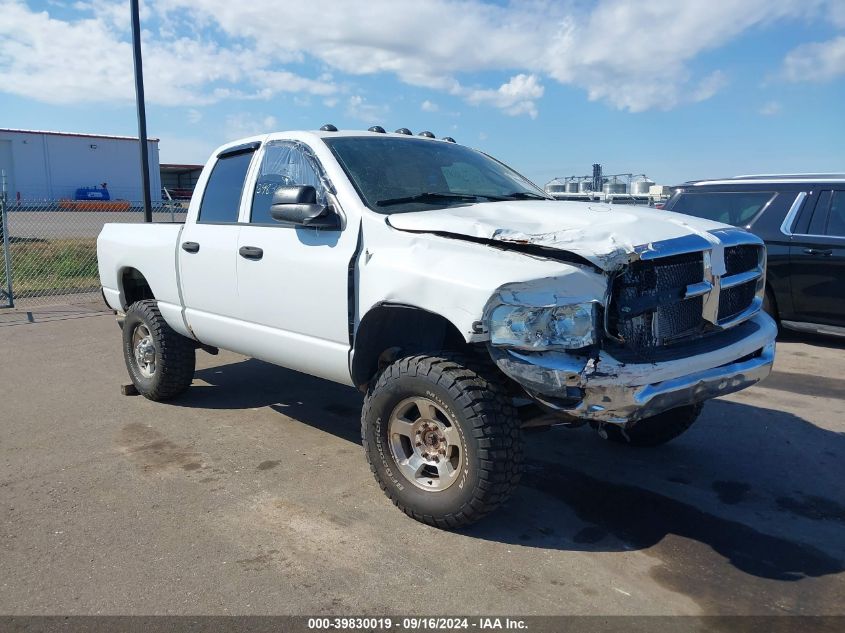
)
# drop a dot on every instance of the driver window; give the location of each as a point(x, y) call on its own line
point(284, 164)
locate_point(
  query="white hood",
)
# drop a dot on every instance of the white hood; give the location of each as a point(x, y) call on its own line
point(606, 235)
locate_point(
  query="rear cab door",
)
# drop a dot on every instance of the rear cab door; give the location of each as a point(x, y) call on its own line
point(817, 259)
point(208, 249)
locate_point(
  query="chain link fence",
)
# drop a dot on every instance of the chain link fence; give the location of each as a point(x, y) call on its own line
point(49, 250)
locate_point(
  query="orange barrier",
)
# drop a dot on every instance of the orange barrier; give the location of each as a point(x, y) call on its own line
point(94, 205)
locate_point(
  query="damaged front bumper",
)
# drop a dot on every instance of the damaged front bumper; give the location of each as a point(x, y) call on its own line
point(603, 389)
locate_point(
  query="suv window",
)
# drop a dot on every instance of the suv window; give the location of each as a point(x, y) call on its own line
point(736, 208)
point(222, 198)
point(836, 219)
point(284, 164)
point(819, 219)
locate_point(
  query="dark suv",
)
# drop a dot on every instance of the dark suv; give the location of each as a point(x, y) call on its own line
point(801, 217)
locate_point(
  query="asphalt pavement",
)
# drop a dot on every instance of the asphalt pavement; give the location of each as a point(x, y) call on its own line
point(251, 495)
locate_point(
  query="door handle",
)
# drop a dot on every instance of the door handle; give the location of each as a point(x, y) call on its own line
point(191, 247)
point(251, 252)
point(819, 251)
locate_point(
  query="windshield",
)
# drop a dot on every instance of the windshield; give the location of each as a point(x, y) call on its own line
point(399, 175)
point(737, 208)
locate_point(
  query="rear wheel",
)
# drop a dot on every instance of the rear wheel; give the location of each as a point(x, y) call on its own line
point(159, 360)
point(442, 439)
point(652, 431)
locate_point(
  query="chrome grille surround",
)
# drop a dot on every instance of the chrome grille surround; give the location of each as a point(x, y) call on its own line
point(729, 290)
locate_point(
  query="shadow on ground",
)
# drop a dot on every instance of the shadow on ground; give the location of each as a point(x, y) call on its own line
point(610, 488)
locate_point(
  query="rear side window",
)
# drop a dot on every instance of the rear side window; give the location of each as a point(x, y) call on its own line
point(836, 219)
point(813, 216)
point(222, 197)
point(736, 208)
point(817, 223)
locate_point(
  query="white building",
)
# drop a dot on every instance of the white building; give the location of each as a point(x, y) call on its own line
point(53, 165)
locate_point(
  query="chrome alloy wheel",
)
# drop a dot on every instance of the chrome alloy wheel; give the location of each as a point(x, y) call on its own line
point(425, 444)
point(144, 350)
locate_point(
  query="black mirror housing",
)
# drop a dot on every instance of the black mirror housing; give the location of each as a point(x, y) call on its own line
point(298, 205)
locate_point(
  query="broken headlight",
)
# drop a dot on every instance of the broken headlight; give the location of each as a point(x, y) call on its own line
point(543, 328)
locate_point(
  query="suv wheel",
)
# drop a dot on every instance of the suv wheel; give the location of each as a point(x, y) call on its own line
point(652, 431)
point(160, 361)
point(442, 439)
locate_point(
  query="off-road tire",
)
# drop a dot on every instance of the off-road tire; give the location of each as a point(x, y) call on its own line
point(175, 355)
point(652, 431)
point(474, 398)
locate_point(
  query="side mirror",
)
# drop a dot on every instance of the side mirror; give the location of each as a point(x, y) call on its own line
point(298, 205)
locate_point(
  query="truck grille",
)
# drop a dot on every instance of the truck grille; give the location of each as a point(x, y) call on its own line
point(669, 300)
point(739, 259)
point(734, 301)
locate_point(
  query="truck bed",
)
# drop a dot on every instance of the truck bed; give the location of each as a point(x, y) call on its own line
point(148, 247)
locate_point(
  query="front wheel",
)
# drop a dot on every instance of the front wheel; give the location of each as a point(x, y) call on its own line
point(442, 440)
point(160, 360)
point(653, 431)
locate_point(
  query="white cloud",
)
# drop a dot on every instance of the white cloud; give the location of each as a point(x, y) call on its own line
point(633, 56)
point(771, 108)
point(273, 81)
point(709, 86)
point(194, 116)
point(90, 60)
point(429, 106)
point(245, 124)
point(358, 108)
point(515, 97)
point(818, 61)
point(609, 49)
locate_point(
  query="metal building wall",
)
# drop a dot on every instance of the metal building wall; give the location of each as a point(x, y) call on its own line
point(52, 166)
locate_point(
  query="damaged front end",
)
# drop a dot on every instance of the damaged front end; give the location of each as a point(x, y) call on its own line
point(678, 323)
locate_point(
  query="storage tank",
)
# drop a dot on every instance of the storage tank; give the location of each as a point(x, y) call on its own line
point(614, 187)
point(572, 186)
point(585, 186)
point(641, 187)
point(555, 187)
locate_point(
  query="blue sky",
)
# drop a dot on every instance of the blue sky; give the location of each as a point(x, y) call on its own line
point(676, 90)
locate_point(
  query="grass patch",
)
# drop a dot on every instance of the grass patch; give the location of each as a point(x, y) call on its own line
point(53, 266)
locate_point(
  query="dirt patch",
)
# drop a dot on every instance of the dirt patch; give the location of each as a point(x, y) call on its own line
point(154, 453)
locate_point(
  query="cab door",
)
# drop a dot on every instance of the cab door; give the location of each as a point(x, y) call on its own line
point(293, 281)
point(208, 252)
point(817, 262)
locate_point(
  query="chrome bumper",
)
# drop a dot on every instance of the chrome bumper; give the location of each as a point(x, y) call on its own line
point(617, 393)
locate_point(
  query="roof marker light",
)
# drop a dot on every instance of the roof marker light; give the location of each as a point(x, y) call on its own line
point(448, 139)
point(403, 130)
point(328, 127)
point(376, 128)
point(426, 134)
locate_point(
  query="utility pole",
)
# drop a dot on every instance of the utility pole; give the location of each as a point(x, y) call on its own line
point(142, 116)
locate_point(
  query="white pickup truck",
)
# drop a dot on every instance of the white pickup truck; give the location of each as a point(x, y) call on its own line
point(453, 292)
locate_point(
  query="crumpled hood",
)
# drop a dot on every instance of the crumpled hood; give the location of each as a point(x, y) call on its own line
point(606, 235)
